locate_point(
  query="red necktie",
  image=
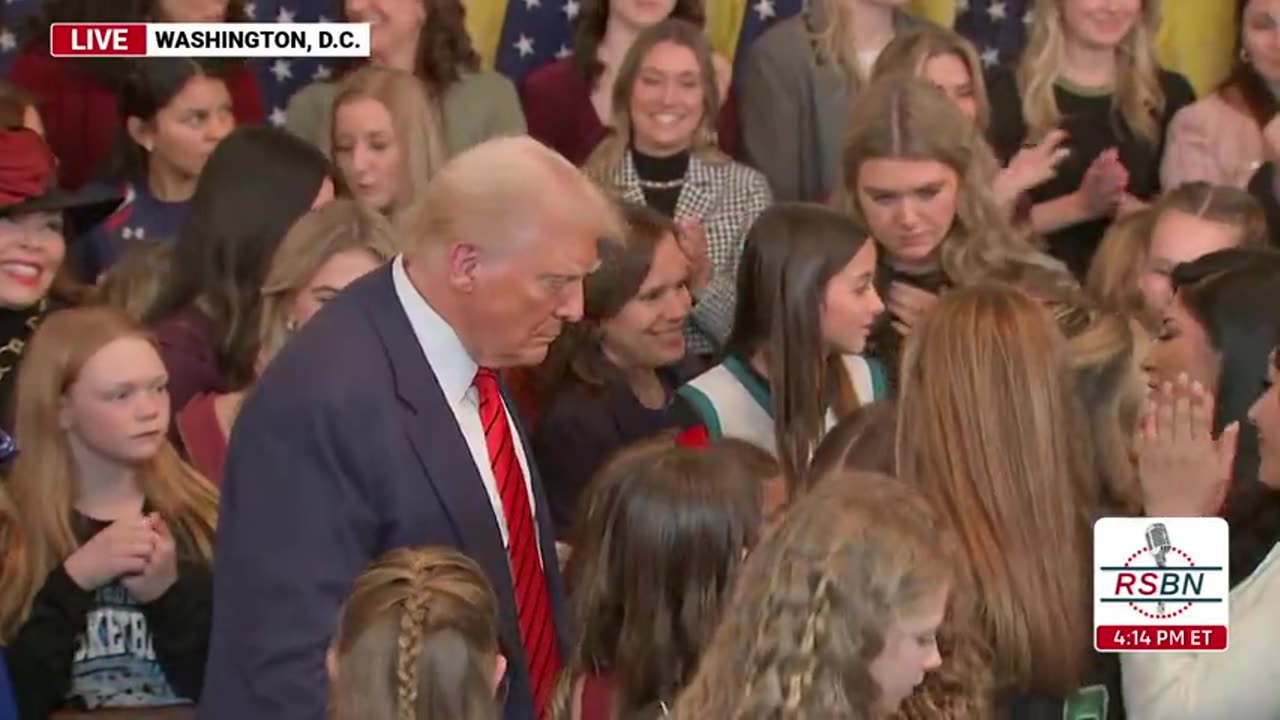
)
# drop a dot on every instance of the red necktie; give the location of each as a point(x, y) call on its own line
point(533, 602)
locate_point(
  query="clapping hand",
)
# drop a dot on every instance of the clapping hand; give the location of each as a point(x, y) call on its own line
point(161, 570)
point(692, 239)
point(122, 548)
point(1104, 183)
point(1031, 166)
point(1183, 471)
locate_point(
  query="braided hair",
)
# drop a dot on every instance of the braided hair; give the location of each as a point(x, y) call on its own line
point(417, 639)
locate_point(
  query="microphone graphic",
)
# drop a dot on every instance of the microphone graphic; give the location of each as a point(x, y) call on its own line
point(1158, 544)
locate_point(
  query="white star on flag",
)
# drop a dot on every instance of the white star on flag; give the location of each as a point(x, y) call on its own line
point(323, 19)
point(524, 45)
point(563, 52)
point(990, 57)
point(251, 10)
point(996, 10)
point(280, 68)
point(286, 15)
point(962, 6)
point(531, 4)
point(7, 41)
point(571, 8)
point(322, 73)
point(764, 8)
point(277, 117)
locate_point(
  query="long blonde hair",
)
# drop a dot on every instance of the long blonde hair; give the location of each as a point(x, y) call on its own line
point(1138, 99)
point(989, 430)
point(417, 640)
point(608, 155)
point(829, 34)
point(910, 50)
point(909, 118)
point(416, 120)
point(43, 479)
point(810, 609)
point(334, 228)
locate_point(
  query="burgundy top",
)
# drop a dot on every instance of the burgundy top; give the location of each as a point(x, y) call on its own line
point(558, 110)
point(202, 436)
point(80, 116)
point(187, 346)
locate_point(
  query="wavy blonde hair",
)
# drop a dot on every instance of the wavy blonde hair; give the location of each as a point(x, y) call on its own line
point(810, 609)
point(990, 430)
point(336, 227)
point(1138, 99)
point(417, 640)
point(609, 154)
point(416, 120)
point(830, 41)
point(910, 119)
point(910, 50)
point(43, 479)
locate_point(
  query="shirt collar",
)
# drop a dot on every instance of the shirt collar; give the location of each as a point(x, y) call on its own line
point(453, 366)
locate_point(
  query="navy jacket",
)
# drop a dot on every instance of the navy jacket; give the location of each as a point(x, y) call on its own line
point(346, 449)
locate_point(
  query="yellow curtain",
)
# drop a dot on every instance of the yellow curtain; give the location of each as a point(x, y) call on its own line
point(724, 23)
point(1196, 39)
point(942, 12)
point(484, 23)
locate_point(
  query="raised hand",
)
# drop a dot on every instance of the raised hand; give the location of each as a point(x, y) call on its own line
point(1031, 166)
point(908, 304)
point(1182, 469)
point(122, 548)
point(692, 239)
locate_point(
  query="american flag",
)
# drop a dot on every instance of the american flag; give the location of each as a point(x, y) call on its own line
point(998, 28)
point(530, 33)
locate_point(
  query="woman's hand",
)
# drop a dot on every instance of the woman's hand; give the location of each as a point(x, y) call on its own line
point(122, 548)
point(692, 240)
point(1104, 184)
point(1183, 471)
point(1031, 167)
point(908, 304)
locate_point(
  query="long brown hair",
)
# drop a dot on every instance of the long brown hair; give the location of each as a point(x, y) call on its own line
point(575, 359)
point(43, 478)
point(809, 612)
point(417, 639)
point(445, 50)
point(988, 429)
point(657, 550)
point(609, 153)
point(792, 251)
point(910, 50)
point(1245, 88)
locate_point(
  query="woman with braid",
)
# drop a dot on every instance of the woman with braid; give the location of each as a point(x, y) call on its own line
point(430, 614)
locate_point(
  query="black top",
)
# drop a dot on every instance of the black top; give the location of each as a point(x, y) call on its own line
point(1092, 128)
point(1100, 698)
point(16, 328)
point(583, 427)
point(85, 649)
point(661, 179)
point(885, 343)
point(1262, 186)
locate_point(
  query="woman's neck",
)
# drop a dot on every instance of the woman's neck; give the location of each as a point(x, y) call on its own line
point(1089, 67)
point(647, 387)
point(401, 58)
point(169, 186)
point(105, 489)
point(618, 39)
point(870, 25)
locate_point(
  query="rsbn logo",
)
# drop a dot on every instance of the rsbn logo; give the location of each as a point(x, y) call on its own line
point(1160, 584)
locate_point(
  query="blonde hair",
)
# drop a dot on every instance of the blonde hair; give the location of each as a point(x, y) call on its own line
point(909, 118)
point(43, 478)
point(609, 154)
point(910, 50)
point(133, 283)
point(501, 187)
point(417, 124)
point(417, 640)
point(1138, 99)
point(334, 228)
point(988, 429)
point(810, 609)
point(830, 41)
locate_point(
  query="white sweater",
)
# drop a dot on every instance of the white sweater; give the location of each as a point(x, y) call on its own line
point(1242, 683)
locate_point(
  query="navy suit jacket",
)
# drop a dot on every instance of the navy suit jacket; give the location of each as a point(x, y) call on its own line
point(347, 448)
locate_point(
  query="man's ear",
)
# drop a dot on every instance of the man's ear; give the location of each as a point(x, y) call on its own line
point(463, 260)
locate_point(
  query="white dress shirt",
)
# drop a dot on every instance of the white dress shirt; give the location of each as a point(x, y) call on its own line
point(455, 372)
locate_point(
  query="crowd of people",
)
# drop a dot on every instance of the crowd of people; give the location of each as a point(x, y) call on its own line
point(638, 391)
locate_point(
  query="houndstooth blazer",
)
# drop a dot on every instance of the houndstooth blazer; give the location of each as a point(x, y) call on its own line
point(727, 198)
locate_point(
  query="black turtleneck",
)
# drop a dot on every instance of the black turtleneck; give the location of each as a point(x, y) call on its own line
point(661, 179)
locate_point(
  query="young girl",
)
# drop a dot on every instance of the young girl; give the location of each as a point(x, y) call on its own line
point(659, 544)
point(107, 603)
point(173, 113)
point(417, 640)
point(806, 303)
point(835, 613)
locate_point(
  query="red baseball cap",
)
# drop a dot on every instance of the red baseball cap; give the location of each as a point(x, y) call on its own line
point(28, 182)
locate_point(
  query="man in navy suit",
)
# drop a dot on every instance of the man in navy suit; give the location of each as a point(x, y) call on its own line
point(381, 425)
